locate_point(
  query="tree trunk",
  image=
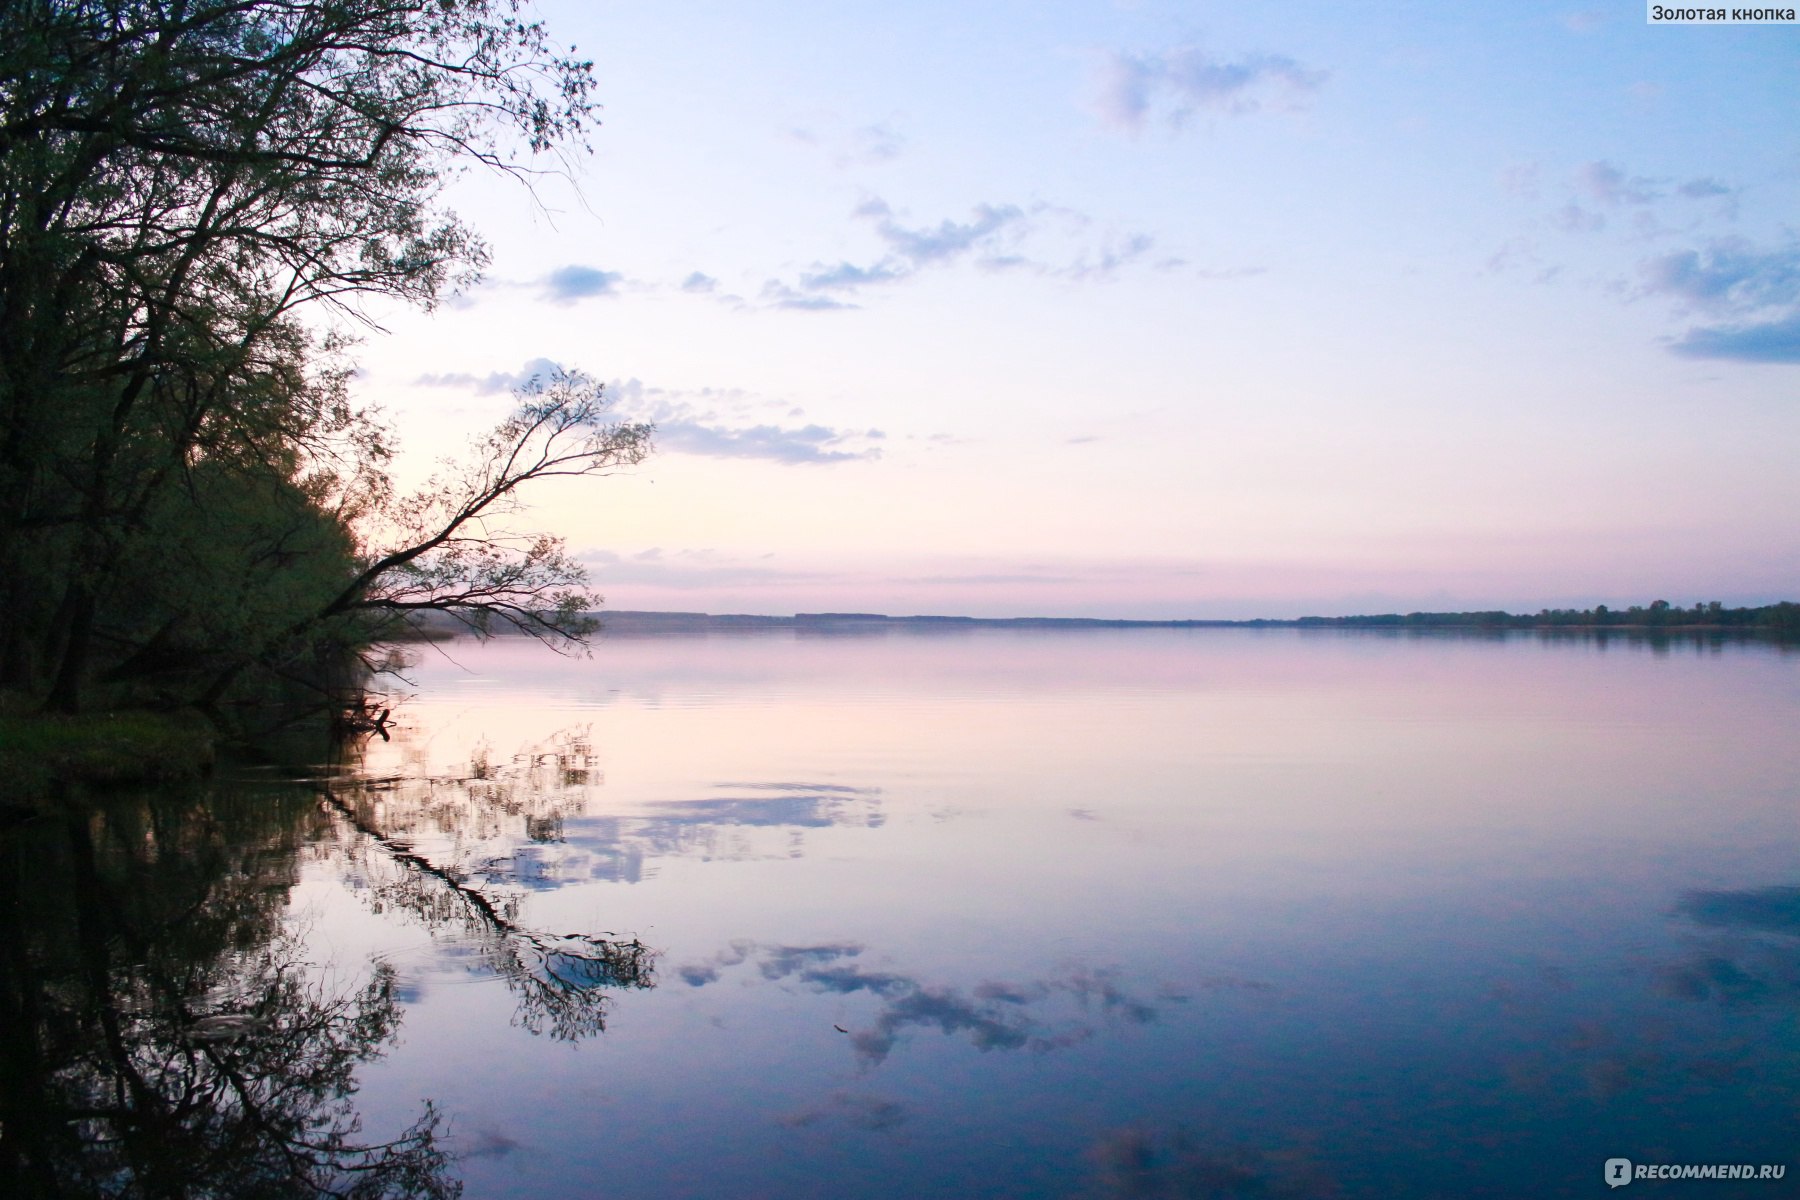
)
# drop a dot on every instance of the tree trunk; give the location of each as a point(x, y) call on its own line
point(77, 619)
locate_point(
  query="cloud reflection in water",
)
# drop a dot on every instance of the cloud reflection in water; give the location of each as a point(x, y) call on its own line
point(1039, 1015)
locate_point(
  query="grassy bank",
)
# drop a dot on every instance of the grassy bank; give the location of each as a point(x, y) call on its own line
point(131, 747)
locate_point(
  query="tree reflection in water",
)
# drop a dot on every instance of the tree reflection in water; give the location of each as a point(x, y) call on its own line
point(162, 1036)
point(558, 979)
point(466, 886)
point(161, 1033)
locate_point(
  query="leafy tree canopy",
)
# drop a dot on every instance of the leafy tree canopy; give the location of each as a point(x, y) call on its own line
point(193, 195)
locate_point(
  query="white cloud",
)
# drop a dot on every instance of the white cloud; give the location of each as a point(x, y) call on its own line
point(566, 285)
point(494, 381)
point(995, 237)
point(717, 423)
point(865, 145)
point(947, 239)
point(1755, 292)
point(732, 424)
point(1603, 183)
point(1729, 276)
point(1186, 80)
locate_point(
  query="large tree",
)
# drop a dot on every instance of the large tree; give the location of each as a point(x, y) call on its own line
point(191, 193)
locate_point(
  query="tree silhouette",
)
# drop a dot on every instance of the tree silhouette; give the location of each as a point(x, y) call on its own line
point(164, 1038)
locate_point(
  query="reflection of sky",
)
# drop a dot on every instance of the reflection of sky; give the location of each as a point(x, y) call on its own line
point(724, 827)
point(1139, 909)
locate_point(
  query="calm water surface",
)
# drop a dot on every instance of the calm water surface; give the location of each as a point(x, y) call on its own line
point(1034, 914)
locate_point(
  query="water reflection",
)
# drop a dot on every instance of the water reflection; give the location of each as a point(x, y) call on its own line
point(723, 828)
point(536, 819)
point(560, 980)
point(1746, 947)
point(1231, 915)
point(1038, 1015)
point(1149, 1163)
point(164, 1036)
point(167, 1028)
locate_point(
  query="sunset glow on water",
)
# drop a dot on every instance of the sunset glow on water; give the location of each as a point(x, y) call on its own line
point(1036, 914)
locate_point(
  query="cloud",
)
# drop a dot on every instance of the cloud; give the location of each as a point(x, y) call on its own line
point(494, 381)
point(698, 282)
point(945, 240)
point(866, 145)
point(1187, 80)
point(711, 422)
point(1768, 342)
point(566, 285)
point(994, 236)
point(1727, 276)
point(875, 143)
point(791, 445)
point(849, 275)
point(1112, 256)
point(1751, 293)
point(1520, 179)
point(719, 423)
point(1755, 291)
point(909, 250)
point(777, 294)
point(1596, 193)
point(1606, 184)
point(1522, 254)
point(1700, 189)
point(1572, 218)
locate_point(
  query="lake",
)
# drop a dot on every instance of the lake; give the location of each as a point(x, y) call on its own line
point(981, 912)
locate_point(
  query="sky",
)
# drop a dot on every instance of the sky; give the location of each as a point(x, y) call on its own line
point(1154, 309)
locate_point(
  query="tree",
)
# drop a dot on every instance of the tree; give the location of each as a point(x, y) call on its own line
point(447, 546)
point(187, 189)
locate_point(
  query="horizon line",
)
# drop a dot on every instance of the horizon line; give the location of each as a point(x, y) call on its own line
point(1607, 614)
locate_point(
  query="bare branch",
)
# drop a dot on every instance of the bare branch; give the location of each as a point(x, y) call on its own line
point(441, 556)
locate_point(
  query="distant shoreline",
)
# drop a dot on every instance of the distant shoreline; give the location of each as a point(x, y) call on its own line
point(1783, 618)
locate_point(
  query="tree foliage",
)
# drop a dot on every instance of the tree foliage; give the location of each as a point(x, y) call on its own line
point(196, 198)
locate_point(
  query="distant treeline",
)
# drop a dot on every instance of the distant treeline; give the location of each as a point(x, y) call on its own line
point(1659, 614)
point(1773, 619)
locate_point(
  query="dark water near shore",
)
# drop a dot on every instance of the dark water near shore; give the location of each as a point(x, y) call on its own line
point(991, 913)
